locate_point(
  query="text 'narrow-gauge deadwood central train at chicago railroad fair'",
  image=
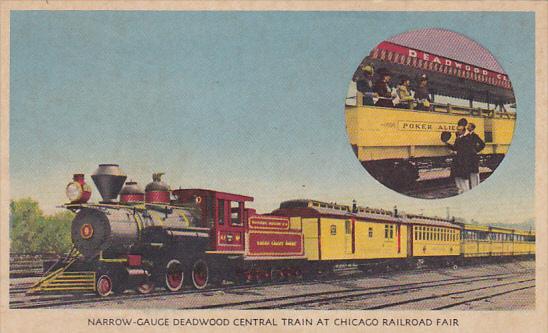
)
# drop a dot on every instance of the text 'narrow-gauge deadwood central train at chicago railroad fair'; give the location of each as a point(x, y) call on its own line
point(173, 238)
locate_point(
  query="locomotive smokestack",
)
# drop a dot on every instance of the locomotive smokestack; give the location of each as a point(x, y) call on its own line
point(108, 179)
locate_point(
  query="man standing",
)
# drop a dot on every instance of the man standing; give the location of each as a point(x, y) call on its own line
point(477, 145)
point(460, 169)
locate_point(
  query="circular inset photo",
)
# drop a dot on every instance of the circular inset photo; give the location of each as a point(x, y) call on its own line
point(430, 113)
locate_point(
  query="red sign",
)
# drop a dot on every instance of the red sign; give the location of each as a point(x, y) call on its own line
point(259, 222)
point(274, 244)
point(406, 56)
point(229, 238)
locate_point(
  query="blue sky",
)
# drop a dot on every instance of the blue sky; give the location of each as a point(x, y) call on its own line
point(245, 102)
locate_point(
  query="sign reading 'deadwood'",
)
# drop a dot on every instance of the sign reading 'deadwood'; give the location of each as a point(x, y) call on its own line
point(268, 223)
point(403, 55)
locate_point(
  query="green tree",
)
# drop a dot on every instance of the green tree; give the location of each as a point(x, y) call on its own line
point(32, 232)
point(25, 216)
point(55, 233)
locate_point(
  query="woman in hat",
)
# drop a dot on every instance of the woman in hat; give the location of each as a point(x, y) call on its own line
point(403, 94)
point(383, 89)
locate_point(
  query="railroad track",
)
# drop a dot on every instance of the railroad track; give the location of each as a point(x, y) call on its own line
point(51, 300)
point(19, 300)
point(311, 300)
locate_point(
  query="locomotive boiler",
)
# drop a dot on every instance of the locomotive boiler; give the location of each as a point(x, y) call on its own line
point(119, 228)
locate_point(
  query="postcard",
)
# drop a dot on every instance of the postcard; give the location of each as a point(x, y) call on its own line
point(272, 166)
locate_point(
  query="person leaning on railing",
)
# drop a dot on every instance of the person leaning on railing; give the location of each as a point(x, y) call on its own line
point(403, 96)
point(422, 94)
point(383, 89)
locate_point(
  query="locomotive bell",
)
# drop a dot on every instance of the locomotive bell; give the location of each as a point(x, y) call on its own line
point(157, 192)
point(108, 179)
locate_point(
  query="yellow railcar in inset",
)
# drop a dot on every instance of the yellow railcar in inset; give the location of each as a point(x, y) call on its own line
point(395, 144)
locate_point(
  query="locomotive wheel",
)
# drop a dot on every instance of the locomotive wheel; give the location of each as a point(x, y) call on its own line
point(175, 275)
point(276, 275)
point(298, 274)
point(262, 276)
point(104, 285)
point(200, 274)
point(248, 276)
point(146, 287)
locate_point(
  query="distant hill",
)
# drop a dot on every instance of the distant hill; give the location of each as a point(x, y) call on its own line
point(528, 224)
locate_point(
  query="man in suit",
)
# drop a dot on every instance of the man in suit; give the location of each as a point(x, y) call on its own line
point(460, 169)
point(477, 145)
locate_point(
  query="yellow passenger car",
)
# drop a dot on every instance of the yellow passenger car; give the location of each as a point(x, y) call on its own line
point(486, 241)
point(434, 236)
point(524, 242)
point(334, 233)
point(338, 233)
point(342, 234)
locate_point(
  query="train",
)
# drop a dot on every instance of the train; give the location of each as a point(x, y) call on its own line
point(145, 239)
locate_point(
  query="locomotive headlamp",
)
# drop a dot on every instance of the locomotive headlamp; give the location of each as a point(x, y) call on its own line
point(78, 191)
point(74, 191)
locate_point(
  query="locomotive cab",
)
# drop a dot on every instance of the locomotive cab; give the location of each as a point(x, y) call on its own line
point(224, 214)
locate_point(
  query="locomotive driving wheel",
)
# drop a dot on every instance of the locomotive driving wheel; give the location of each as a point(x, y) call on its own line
point(200, 274)
point(174, 275)
point(104, 285)
point(146, 287)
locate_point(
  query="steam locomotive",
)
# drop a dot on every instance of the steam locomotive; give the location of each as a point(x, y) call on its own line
point(173, 238)
point(164, 237)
